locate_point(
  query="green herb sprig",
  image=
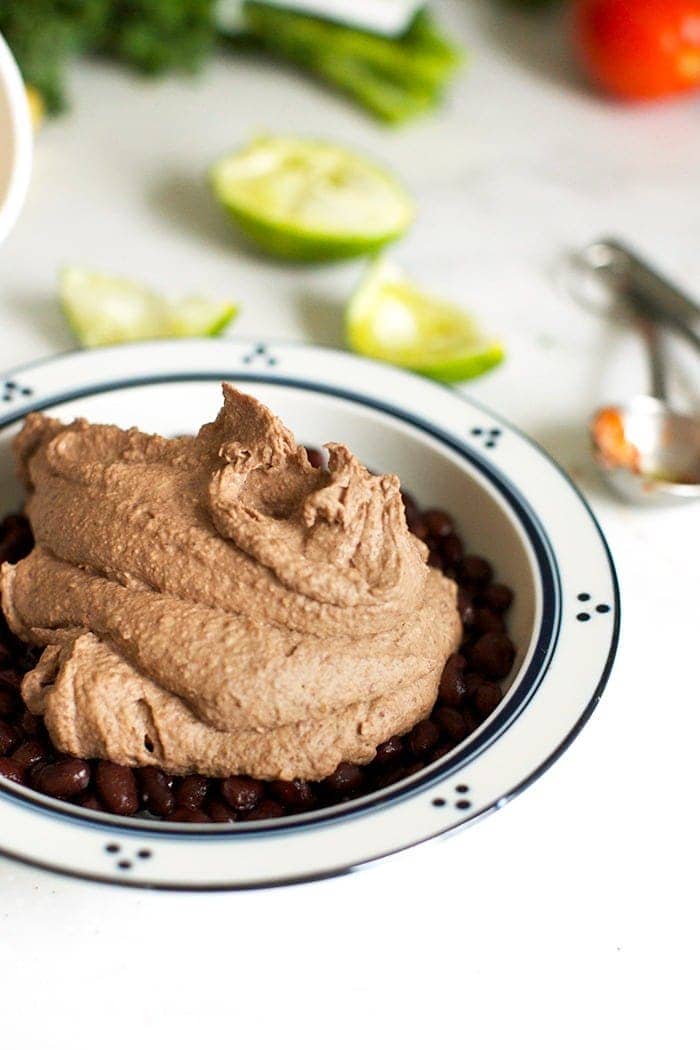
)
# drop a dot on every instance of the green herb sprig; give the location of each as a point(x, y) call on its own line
point(394, 79)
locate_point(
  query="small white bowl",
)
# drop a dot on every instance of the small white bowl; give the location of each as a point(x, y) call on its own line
point(511, 503)
point(16, 141)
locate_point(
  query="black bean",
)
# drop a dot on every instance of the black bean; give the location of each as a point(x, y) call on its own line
point(451, 723)
point(452, 550)
point(90, 801)
point(9, 703)
point(63, 779)
point(472, 681)
point(192, 791)
point(168, 780)
point(452, 689)
point(433, 543)
point(438, 523)
point(389, 777)
point(31, 724)
point(9, 738)
point(11, 770)
point(16, 525)
point(29, 753)
point(475, 571)
point(220, 813)
point(415, 525)
point(410, 507)
point(389, 752)
point(419, 529)
point(346, 780)
point(472, 721)
point(10, 680)
point(487, 698)
point(294, 794)
point(441, 751)
point(435, 560)
point(242, 793)
point(267, 810)
point(12, 549)
point(497, 597)
point(468, 639)
point(28, 658)
point(185, 815)
point(116, 786)
point(466, 607)
point(493, 655)
point(423, 738)
point(487, 621)
point(156, 792)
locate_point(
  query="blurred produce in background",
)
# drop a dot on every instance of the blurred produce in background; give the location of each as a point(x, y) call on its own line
point(153, 36)
point(393, 78)
point(632, 49)
point(639, 49)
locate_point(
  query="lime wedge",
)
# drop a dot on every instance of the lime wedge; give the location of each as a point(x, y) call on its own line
point(391, 319)
point(103, 310)
point(310, 201)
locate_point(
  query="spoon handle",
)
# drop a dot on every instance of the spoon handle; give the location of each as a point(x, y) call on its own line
point(653, 337)
point(631, 275)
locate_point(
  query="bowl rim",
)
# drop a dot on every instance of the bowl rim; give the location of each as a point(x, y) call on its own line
point(21, 142)
point(289, 364)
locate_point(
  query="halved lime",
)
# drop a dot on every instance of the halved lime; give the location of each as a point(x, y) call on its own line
point(311, 201)
point(389, 318)
point(102, 310)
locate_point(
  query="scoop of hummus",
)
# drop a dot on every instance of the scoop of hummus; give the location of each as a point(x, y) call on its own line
point(215, 604)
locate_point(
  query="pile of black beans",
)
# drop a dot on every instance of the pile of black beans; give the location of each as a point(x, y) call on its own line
point(470, 690)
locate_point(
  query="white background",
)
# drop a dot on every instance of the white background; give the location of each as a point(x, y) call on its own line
point(570, 919)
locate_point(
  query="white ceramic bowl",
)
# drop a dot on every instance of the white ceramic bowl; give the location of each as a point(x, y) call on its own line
point(511, 503)
point(15, 141)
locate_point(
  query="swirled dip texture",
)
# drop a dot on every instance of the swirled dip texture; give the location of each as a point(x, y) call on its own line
point(216, 604)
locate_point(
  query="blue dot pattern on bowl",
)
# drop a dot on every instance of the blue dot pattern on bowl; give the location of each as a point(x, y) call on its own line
point(259, 356)
point(489, 436)
point(601, 607)
point(123, 863)
point(461, 803)
point(12, 391)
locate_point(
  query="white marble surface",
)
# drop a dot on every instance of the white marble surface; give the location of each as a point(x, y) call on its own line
point(571, 917)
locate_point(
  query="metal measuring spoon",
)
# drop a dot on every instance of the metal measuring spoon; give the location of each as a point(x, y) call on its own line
point(649, 452)
point(620, 272)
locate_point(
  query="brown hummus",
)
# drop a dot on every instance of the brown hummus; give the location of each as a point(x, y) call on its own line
point(216, 604)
